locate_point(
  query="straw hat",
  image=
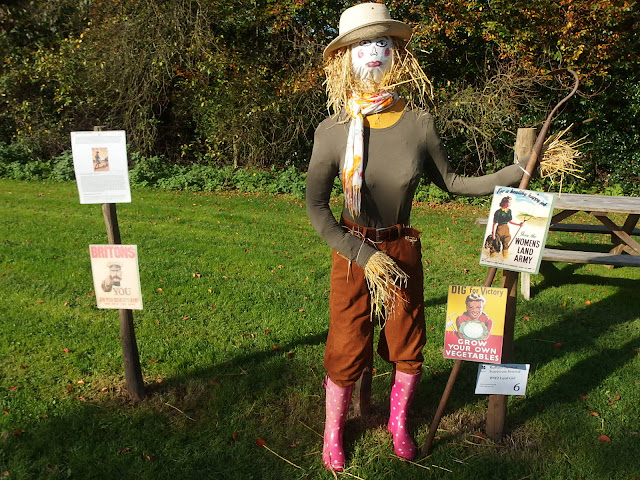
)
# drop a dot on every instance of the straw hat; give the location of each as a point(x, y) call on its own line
point(365, 21)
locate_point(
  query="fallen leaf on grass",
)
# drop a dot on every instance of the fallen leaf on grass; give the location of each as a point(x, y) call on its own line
point(557, 345)
point(614, 400)
point(583, 396)
point(17, 432)
point(65, 350)
point(124, 450)
point(149, 458)
point(5, 411)
point(260, 442)
point(594, 414)
point(275, 347)
point(587, 302)
point(235, 436)
point(604, 438)
point(12, 388)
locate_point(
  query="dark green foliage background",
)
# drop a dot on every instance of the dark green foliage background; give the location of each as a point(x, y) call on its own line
point(229, 83)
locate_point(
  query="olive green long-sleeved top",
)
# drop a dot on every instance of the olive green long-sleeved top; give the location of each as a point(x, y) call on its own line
point(395, 158)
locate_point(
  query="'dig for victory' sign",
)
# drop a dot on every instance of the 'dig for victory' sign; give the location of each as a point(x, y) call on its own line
point(475, 323)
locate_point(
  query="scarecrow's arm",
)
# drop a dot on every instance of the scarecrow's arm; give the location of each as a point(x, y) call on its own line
point(323, 169)
point(438, 169)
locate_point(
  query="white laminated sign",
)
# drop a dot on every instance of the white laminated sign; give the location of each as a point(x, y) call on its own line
point(100, 165)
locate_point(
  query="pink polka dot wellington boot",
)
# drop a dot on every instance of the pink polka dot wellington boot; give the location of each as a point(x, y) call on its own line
point(404, 386)
point(337, 407)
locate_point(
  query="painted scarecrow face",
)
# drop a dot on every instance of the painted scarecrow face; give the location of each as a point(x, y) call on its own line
point(371, 59)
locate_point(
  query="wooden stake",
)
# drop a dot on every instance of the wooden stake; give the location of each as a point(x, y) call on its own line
point(130, 355)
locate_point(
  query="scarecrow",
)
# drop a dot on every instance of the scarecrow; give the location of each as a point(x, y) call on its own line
point(380, 144)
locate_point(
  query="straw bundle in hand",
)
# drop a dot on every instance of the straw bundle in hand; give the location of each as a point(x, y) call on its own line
point(559, 158)
point(384, 280)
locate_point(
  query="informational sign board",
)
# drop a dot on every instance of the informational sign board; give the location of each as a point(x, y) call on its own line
point(116, 278)
point(475, 323)
point(504, 379)
point(517, 229)
point(100, 164)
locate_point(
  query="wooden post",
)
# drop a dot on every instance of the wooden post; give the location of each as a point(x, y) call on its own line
point(525, 138)
point(130, 355)
point(497, 411)
point(361, 399)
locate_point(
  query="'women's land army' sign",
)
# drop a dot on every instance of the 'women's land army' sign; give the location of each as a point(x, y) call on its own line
point(475, 323)
point(517, 229)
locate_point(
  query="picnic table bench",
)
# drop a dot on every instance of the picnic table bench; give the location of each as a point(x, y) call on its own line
point(625, 251)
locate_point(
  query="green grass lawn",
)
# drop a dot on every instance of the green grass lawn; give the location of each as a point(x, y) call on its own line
point(231, 339)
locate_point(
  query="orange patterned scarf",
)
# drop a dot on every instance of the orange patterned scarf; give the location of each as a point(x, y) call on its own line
point(352, 171)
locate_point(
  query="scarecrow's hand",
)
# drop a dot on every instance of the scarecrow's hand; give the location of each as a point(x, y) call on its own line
point(523, 165)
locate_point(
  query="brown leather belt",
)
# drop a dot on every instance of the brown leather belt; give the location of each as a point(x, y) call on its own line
point(377, 235)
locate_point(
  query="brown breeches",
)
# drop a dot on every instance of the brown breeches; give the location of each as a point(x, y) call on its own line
point(350, 341)
point(504, 235)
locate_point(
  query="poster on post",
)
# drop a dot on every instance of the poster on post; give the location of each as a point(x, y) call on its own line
point(475, 323)
point(100, 165)
point(116, 277)
point(517, 229)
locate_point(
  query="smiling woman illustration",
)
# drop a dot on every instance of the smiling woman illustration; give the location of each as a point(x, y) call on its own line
point(474, 324)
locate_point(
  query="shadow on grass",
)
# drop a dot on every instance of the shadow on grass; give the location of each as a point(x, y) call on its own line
point(584, 364)
point(203, 424)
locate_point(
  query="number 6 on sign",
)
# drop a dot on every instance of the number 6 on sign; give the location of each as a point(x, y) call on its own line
point(502, 379)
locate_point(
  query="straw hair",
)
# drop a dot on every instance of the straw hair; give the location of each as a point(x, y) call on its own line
point(559, 158)
point(385, 281)
point(405, 76)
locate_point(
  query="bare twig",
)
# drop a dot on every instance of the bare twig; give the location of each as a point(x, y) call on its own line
point(176, 408)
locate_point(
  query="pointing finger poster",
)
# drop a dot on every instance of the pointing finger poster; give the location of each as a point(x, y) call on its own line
point(116, 278)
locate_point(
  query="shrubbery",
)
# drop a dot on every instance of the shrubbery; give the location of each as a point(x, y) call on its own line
point(157, 172)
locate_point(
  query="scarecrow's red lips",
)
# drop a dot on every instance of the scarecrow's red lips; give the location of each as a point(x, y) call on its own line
point(377, 63)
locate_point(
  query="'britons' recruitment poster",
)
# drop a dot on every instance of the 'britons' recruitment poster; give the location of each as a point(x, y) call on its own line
point(475, 323)
point(116, 277)
point(100, 164)
point(517, 229)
